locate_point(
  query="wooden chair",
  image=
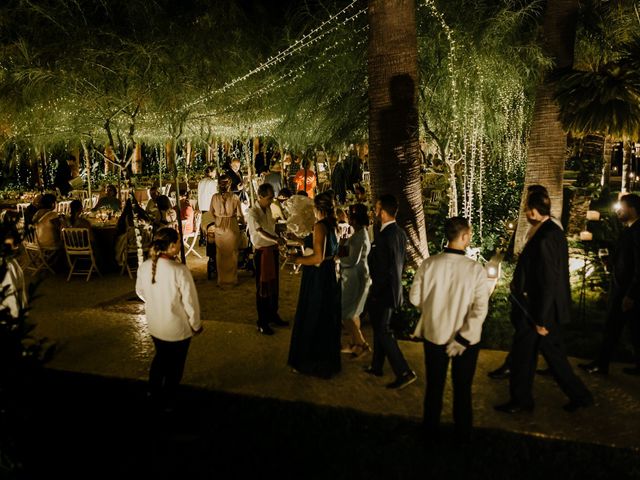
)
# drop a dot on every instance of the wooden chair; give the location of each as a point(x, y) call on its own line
point(78, 248)
point(130, 253)
point(64, 207)
point(191, 240)
point(87, 203)
point(79, 194)
point(21, 207)
point(38, 259)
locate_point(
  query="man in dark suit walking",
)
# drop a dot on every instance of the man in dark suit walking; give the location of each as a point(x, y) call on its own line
point(624, 296)
point(386, 261)
point(540, 286)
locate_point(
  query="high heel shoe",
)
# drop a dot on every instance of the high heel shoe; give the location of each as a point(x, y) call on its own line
point(360, 349)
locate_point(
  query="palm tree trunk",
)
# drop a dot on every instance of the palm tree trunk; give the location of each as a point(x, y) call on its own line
point(548, 141)
point(626, 167)
point(394, 156)
point(607, 151)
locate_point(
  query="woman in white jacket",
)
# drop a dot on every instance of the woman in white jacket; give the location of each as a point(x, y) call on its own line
point(172, 311)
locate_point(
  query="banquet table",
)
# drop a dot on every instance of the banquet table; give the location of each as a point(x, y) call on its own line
point(104, 234)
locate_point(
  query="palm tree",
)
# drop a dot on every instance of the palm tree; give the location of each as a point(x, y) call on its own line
point(548, 140)
point(605, 101)
point(394, 150)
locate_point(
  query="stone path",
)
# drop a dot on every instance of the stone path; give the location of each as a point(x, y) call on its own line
point(100, 329)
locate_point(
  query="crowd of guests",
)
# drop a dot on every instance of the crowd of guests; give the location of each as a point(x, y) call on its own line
point(350, 267)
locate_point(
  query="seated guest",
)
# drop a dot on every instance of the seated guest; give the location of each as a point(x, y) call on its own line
point(47, 223)
point(152, 206)
point(167, 215)
point(187, 214)
point(31, 210)
point(74, 220)
point(110, 200)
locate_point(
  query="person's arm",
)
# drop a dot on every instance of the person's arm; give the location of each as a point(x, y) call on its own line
point(355, 251)
point(416, 294)
point(633, 292)
point(190, 301)
point(381, 273)
point(319, 237)
point(238, 209)
point(472, 327)
point(257, 230)
point(547, 272)
point(140, 282)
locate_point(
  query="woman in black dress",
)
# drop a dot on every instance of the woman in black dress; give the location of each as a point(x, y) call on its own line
point(315, 339)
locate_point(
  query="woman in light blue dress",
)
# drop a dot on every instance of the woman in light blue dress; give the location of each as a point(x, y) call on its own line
point(355, 278)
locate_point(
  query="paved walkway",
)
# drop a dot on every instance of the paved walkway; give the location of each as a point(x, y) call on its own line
point(100, 329)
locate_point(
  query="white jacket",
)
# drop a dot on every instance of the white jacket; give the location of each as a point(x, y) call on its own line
point(171, 304)
point(452, 292)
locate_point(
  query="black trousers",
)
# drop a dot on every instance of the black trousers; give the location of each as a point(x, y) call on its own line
point(616, 319)
point(267, 306)
point(385, 344)
point(167, 368)
point(519, 322)
point(463, 368)
point(524, 356)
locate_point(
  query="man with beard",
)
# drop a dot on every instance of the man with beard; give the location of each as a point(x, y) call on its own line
point(540, 287)
point(624, 297)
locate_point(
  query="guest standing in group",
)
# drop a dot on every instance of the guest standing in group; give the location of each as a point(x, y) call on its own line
point(305, 179)
point(315, 339)
point(540, 286)
point(624, 295)
point(355, 282)
point(274, 177)
point(207, 188)
point(386, 262)
point(235, 176)
point(452, 293)
point(172, 311)
point(262, 229)
point(225, 207)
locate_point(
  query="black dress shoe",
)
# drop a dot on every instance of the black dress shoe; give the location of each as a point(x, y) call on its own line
point(265, 330)
point(372, 371)
point(403, 381)
point(635, 371)
point(278, 322)
point(575, 405)
point(500, 373)
point(593, 368)
point(512, 408)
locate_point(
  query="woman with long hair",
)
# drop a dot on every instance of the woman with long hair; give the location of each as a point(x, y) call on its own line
point(173, 314)
point(315, 339)
point(355, 278)
point(226, 211)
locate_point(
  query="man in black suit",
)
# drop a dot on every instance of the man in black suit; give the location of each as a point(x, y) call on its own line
point(624, 295)
point(540, 286)
point(386, 261)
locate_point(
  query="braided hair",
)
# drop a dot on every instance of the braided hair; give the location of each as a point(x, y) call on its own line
point(161, 242)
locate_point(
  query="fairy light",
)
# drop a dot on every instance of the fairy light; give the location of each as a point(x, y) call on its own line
point(305, 41)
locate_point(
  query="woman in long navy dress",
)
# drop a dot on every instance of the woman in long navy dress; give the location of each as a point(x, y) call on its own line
point(315, 339)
